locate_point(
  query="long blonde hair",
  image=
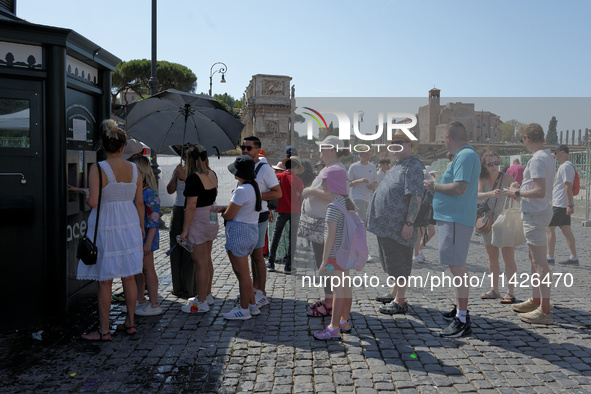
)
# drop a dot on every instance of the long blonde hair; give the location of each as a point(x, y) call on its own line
point(197, 160)
point(145, 169)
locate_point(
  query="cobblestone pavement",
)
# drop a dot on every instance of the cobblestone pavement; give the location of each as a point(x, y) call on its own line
point(275, 352)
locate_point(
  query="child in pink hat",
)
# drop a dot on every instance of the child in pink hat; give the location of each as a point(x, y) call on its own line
point(334, 181)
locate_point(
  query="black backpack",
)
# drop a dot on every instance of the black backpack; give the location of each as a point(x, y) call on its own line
point(425, 215)
point(271, 204)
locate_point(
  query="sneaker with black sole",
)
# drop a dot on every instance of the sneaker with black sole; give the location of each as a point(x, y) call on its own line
point(385, 298)
point(551, 261)
point(457, 329)
point(394, 309)
point(449, 316)
point(568, 262)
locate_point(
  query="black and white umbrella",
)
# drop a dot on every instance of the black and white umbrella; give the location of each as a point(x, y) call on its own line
point(173, 117)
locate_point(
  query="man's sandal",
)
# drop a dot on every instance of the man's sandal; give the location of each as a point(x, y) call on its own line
point(508, 299)
point(97, 336)
point(128, 330)
point(316, 312)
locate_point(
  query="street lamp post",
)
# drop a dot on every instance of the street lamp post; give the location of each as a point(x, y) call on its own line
point(223, 68)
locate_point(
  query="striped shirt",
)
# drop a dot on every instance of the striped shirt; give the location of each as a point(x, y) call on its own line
point(335, 216)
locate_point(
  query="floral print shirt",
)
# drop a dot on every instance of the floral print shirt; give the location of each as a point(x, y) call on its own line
point(152, 215)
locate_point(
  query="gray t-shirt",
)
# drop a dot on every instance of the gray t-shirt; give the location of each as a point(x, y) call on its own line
point(388, 207)
point(565, 173)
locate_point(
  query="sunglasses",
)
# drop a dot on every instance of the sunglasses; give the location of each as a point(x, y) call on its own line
point(399, 142)
point(493, 163)
point(247, 147)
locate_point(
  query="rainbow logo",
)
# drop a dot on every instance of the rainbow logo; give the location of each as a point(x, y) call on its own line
point(315, 118)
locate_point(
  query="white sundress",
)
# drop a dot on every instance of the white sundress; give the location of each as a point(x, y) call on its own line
point(119, 240)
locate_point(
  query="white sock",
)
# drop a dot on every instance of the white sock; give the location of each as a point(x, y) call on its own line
point(549, 257)
point(461, 315)
point(573, 257)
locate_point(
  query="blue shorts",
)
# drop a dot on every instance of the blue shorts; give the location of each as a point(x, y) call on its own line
point(262, 232)
point(241, 238)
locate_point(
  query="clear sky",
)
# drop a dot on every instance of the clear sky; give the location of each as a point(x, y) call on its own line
point(346, 48)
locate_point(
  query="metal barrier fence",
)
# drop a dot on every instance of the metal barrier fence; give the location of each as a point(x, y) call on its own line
point(581, 161)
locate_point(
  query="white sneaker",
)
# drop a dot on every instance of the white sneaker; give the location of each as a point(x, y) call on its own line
point(195, 307)
point(238, 314)
point(260, 299)
point(254, 310)
point(137, 306)
point(210, 300)
point(149, 310)
point(420, 258)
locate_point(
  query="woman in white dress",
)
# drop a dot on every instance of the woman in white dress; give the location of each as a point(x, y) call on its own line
point(120, 229)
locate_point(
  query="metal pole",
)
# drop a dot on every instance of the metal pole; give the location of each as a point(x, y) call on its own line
point(153, 82)
point(223, 68)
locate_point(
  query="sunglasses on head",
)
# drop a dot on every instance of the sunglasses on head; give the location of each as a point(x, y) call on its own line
point(246, 147)
point(493, 163)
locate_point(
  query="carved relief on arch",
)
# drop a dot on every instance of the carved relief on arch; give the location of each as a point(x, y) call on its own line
point(271, 126)
point(272, 88)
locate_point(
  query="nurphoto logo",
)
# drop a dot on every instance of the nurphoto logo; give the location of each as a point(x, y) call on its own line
point(344, 126)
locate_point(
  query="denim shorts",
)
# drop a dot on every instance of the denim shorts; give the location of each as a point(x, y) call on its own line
point(241, 238)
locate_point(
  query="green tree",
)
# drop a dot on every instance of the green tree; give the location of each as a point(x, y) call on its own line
point(552, 136)
point(508, 129)
point(135, 74)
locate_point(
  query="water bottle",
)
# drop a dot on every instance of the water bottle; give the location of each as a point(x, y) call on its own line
point(213, 216)
point(186, 244)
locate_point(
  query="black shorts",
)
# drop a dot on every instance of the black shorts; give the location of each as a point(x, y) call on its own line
point(559, 217)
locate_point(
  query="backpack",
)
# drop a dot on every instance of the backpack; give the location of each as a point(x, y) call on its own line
point(271, 204)
point(353, 252)
point(576, 182)
point(425, 215)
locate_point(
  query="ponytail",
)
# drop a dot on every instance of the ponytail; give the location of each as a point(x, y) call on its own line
point(350, 205)
point(258, 204)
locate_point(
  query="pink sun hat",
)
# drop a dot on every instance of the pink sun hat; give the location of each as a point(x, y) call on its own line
point(336, 179)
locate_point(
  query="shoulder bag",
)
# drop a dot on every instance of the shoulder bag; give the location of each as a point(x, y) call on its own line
point(87, 250)
point(484, 223)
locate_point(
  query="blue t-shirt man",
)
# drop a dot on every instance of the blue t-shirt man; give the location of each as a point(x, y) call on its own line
point(460, 209)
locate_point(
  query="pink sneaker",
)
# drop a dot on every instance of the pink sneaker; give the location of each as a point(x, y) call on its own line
point(345, 327)
point(328, 334)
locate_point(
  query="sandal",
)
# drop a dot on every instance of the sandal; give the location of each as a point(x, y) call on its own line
point(317, 313)
point(508, 299)
point(316, 304)
point(490, 295)
point(128, 330)
point(101, 337)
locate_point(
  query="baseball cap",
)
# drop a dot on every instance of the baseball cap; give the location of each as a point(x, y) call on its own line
point(561, 148)
point(291, 151)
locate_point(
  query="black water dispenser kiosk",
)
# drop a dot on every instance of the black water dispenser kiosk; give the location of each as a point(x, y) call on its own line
point(55, 89)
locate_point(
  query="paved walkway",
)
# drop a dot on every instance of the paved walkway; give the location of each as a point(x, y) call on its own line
point(275, 352)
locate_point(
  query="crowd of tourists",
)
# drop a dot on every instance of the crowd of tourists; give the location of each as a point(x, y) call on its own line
point(272, 205)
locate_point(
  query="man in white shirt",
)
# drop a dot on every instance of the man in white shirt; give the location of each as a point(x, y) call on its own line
point(536, 212)
point(269, 188)
point(563, 206)
point(363, 181)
